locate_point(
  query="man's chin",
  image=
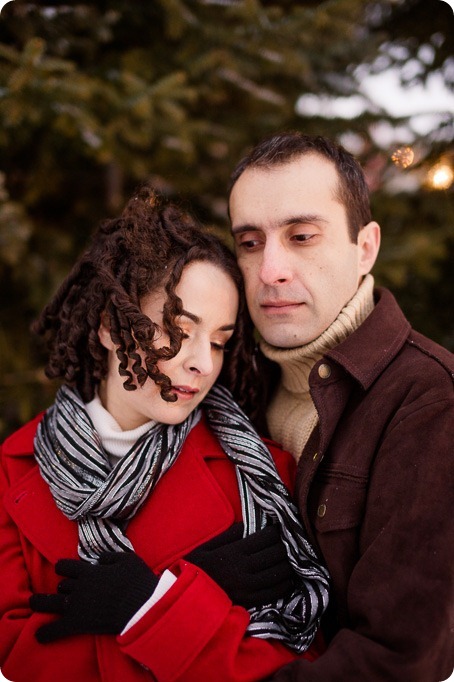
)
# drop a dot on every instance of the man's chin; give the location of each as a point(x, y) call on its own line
point(283, 336)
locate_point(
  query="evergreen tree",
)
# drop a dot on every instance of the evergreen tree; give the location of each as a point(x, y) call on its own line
point(98, 97)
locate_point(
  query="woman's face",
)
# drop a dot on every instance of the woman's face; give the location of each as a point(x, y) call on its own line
point(210, 305)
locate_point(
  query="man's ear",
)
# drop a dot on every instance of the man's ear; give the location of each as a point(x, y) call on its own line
point(369, 245)
point(104, 333)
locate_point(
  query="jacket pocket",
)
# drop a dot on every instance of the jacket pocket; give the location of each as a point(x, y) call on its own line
point(338, 498)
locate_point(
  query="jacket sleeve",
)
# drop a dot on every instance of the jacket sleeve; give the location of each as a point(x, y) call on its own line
point(401, 590)
point(194, 630)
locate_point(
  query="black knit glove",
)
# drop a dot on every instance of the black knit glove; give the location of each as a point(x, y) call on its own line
point(95, 598)
point(253, 571)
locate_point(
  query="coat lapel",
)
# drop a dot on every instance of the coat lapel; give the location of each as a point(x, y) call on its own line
point(31, 506)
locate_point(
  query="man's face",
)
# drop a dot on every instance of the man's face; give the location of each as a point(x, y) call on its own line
point(294, 250)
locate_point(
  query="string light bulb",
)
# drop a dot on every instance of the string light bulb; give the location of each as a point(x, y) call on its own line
point(440, 176)
point(403, 157)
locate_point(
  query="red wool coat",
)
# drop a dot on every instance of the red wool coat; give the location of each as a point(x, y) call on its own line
point(193, 633)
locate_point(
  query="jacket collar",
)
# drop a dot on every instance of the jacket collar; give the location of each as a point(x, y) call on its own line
point(376, 342)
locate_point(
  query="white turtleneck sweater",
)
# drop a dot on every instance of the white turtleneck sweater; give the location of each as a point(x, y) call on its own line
point(115, 441)
point(291, 414)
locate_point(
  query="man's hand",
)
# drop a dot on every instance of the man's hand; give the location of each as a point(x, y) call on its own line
point(95, 598)
point(253, 571)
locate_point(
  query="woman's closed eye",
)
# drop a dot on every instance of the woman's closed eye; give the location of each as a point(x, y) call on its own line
point(217, 345)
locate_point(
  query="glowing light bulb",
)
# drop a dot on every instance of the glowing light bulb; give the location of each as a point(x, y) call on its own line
point(403, 157)
point(440, 176)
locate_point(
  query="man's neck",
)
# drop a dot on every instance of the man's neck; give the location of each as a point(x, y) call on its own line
point(291, 414)
point(302, 358)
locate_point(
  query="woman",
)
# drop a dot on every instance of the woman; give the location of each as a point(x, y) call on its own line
point(121, 543)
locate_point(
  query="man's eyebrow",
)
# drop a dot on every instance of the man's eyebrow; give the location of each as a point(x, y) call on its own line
point(197, 320)
point(244, 228)
point(304, 219)
point(301, 219)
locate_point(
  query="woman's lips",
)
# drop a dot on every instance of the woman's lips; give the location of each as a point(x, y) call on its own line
point(185, 392)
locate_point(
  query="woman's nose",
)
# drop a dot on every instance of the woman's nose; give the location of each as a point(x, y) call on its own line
point(200, 360)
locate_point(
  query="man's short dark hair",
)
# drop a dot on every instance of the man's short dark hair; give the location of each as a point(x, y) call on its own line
point(280, 149)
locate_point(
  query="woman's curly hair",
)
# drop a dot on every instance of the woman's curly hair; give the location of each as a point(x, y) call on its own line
point(144, 249)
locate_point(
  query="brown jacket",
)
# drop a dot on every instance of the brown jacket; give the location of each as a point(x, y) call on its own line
point(375, 489)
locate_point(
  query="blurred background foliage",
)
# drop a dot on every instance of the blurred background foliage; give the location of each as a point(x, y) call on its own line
point(96, 97)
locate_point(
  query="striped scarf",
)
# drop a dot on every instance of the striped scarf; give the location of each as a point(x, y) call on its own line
point(102, 498)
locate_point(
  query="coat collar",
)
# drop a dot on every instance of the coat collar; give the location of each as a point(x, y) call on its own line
point(363, 355)
point(376, 342)
point(187, 508)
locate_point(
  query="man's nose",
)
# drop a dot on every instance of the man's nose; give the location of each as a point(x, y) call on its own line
point(275, 265)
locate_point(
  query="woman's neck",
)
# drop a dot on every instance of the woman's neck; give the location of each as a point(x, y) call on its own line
point(114, 439)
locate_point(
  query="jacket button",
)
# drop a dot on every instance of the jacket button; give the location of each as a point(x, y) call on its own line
point(321, 511)
point(324, 371)
point(315, 456)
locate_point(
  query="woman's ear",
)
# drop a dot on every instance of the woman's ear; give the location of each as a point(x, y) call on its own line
point(104, 333)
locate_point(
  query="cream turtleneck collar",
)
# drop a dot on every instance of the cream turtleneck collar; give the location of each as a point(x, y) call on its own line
point(291, 414)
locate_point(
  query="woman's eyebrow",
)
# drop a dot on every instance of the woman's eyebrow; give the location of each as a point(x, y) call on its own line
point(197, 320)
point(191, 316)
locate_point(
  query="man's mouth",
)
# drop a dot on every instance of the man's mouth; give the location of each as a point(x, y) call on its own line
point(280, 306)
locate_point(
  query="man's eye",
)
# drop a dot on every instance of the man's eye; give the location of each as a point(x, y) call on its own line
point(249, 243)
point(302, 237)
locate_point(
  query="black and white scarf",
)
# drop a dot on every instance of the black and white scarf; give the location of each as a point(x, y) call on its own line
point(102, 498)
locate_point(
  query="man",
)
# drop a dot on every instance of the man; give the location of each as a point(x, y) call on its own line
point(364, 403)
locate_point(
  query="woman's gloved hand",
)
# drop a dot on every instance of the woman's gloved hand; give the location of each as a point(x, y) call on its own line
point(95, 598)
point(253, 571)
